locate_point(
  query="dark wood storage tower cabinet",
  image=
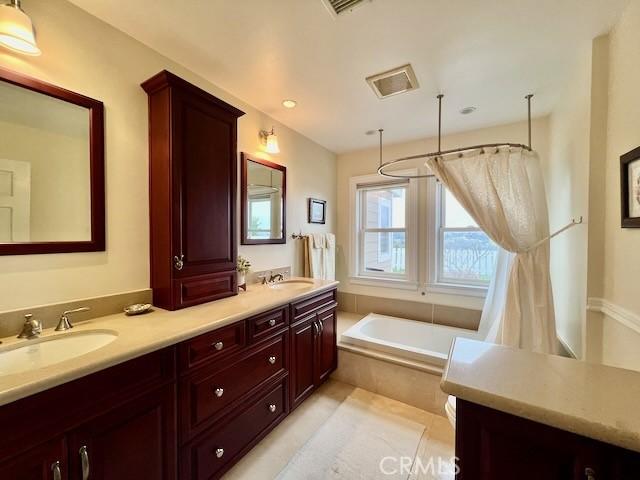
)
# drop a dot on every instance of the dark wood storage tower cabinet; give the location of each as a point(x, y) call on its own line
point(192, 163)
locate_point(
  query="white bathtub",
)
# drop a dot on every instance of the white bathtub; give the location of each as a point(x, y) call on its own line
point(410, 339)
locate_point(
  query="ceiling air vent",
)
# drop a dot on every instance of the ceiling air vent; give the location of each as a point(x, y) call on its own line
point(399, 80)
point(339, 7)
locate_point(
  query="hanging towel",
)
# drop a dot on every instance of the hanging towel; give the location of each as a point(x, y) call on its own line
point(320, 256)
point(330, 257)
point(314, 257)
point(319, 240)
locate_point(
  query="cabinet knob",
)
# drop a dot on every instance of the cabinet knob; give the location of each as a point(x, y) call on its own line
point(272, 359)
point(272, 322)
point(219, 452)
point(178, 262)
point(55, 468)
point(218, 345)
point(219, 392)
point(589, 473)
point(272, 408)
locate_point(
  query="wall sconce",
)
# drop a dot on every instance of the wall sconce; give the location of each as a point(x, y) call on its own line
point(270, 140)
point(16, 29)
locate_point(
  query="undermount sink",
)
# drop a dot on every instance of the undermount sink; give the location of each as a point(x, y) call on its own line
point(291, 284)
point(42, 352)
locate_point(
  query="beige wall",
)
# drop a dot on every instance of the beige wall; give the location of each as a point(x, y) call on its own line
point(83, 54)
point(621, 286)
point(622, 246)
point(566, 172)
point(363, 162)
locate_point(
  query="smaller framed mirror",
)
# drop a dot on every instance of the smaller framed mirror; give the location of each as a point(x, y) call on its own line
point(263, 202)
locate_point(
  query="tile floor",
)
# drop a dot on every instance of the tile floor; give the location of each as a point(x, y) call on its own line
point(309, 425)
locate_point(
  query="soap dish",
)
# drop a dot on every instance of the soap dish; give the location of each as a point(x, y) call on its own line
point(137, 308)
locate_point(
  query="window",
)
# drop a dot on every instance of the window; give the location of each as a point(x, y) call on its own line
point(384, 221)
point(465, 254)
point(384, 238)
point(260, 216)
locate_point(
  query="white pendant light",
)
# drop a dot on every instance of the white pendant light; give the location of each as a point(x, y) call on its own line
point(16, 30)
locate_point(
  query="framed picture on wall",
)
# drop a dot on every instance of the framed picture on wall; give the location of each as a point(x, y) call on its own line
point(630, 188)
point(317, 211)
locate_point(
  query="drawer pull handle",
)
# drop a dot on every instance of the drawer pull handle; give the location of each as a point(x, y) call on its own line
point(84, 460)
point(218, 345)
point(590, 473)
point(272, 408)
point(219, 392)
point(219, 452)
point(272, 359)
point(272, 322)
point(55, 468)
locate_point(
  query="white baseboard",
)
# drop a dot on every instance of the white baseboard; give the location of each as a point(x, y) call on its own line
point(616, 312)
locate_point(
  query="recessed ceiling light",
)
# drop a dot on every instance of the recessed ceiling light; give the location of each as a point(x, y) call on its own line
point(468, 110)
point(289, 103)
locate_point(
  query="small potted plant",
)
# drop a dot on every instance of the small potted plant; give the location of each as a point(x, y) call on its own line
point(243, 266)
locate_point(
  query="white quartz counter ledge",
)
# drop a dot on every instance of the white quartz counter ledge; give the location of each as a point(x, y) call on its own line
point(138, 335)
point(592, 400)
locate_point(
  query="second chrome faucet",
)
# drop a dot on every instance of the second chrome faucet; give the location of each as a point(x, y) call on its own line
point(65, 321)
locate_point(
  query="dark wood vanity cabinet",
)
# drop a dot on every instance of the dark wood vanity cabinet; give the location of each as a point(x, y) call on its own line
point(493, 445)
point(313, 344)
point(118, 423)
point(193, 175)
point(188, 411)
point(44, 462)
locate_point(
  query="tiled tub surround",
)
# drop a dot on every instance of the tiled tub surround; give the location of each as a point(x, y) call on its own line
point(425, 312)
point(410, 382)
point(143, 334)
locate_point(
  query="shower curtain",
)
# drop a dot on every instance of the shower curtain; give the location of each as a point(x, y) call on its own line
point(503, 190)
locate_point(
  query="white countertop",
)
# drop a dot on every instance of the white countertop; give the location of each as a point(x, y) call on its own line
point(592, 400)
point(138, 335)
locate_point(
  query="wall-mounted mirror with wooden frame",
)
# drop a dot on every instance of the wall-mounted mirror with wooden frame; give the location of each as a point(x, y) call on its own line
point(263, 201)
point(51, 168)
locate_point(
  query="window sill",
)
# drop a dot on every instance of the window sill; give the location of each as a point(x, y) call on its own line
point(452, 289)
point(384, 282)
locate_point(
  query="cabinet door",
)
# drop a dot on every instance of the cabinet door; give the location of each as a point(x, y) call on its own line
point(493, 445)
point(303, 358)
point(44, 462)
point(326, 348)
point(205, 171)
point(134, 441)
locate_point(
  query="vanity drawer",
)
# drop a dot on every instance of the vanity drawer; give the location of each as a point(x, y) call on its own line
point(211, 393)
point(302, 308)
point(204, 288)
point(213, 345)
point(214, 452)
point(266, 324)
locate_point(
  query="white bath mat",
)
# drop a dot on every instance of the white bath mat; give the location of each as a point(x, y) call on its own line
point(364, 431)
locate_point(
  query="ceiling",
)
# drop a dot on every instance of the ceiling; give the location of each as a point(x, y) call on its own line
point(487, 54)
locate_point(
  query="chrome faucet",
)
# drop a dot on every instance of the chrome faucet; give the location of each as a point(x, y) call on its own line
point(65, 322)
point(32, 328)
point(276, 277)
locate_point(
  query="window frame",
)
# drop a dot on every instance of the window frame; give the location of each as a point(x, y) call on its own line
point(357, 275)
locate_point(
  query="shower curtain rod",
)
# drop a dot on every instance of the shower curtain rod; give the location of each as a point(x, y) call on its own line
point(440, 152)
point(573, 223)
